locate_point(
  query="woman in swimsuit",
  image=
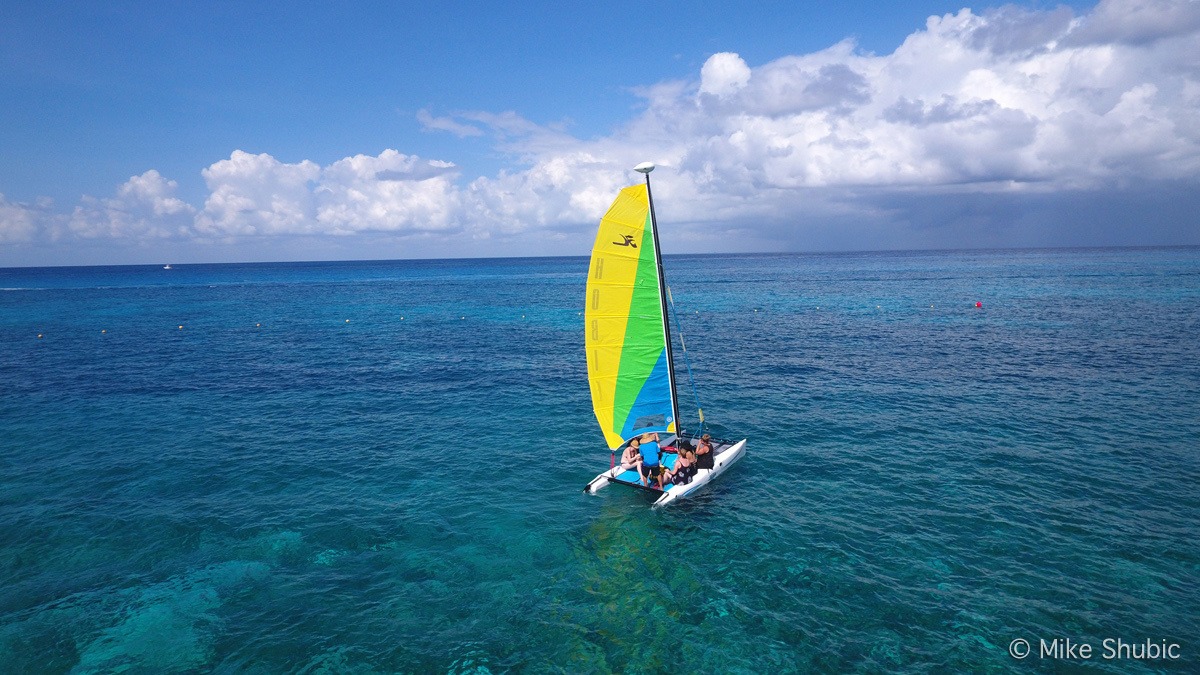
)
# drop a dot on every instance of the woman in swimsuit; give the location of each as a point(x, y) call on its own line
point(685, 469)
point(632, 457)
point(704, 452)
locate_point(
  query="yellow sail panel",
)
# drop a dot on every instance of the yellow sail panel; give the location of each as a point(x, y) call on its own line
point(624, 332)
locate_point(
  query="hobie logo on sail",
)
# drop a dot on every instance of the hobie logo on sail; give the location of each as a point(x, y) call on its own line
point(628, 241)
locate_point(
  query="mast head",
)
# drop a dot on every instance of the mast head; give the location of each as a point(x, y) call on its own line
point(644, 167)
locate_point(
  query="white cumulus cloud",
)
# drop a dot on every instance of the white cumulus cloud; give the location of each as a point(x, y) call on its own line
point(724, 74)
point(389, 193)
point(1006, 101)
point(257, 195)
point(1011, 99)
point(1137, 21)
point(18, 222)
point(145, 206)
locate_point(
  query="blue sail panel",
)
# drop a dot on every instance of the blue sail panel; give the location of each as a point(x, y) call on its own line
point(651, 410)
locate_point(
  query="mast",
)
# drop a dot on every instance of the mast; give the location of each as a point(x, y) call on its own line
point(646, 168)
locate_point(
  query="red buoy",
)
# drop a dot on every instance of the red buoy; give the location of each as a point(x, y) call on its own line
point(978, 305)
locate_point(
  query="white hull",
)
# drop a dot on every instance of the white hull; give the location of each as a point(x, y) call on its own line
point(721, 461)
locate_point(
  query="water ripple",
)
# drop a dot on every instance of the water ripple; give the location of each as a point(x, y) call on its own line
point(274, 488)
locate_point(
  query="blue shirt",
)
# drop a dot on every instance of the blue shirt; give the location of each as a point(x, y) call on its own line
point(650, 453)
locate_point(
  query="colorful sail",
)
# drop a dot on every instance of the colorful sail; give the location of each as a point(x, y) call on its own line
point(626, 338)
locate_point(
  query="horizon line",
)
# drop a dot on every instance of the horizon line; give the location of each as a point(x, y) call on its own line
point(665, 255)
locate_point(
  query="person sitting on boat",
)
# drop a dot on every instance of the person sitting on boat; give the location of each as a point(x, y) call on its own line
point(650, 468)
point(704, 452)
point(684, 471)
point(632, 457)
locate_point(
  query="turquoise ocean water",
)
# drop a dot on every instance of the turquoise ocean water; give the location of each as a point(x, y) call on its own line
point(377, 467)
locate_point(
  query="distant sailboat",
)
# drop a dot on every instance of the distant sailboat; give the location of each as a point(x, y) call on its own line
point(628, 342)
point(167, 266)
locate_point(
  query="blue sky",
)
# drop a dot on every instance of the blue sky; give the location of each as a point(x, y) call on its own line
point(138, 132)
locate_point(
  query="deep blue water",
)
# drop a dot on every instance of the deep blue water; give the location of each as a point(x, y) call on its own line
point(377, 467)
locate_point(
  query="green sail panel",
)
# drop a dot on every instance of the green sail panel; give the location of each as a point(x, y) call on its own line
point(625, 332)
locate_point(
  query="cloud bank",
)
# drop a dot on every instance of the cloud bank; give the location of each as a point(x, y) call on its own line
point(975, 109)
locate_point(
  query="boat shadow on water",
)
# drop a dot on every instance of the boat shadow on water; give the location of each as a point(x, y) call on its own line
point(631, 602)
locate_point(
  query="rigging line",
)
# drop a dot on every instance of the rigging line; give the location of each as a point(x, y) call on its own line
point(686, 362)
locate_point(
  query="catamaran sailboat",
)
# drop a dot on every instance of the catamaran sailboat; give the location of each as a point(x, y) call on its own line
point(628, 342)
